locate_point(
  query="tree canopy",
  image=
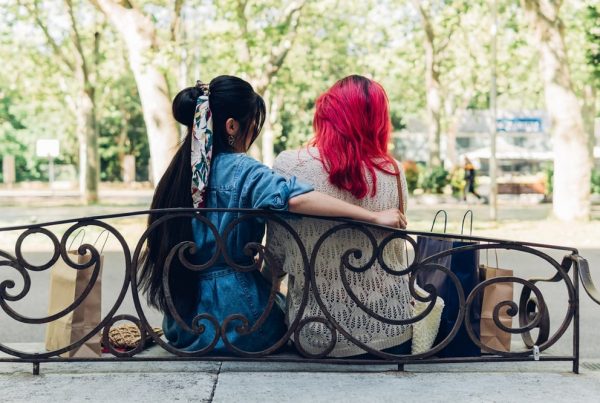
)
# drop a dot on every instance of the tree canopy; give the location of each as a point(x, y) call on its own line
point(291, 51)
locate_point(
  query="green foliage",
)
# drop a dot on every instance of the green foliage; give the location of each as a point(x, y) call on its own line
point(16, 138)
point(549, 178)
point(39, 93)
point(457, 181)
point(397, 121)
point(592, 31)
point(433, 180)
point(596, 181)
point(12, 146)
point(122, 131)
point(381, 39)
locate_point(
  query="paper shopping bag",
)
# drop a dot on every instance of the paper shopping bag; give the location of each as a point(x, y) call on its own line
point(66, 285)
point(491, 335)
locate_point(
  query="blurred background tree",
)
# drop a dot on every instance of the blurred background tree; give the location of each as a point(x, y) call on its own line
point(106, 70)
point(572, 153)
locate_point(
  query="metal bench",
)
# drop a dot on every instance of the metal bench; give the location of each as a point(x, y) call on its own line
point(564, 265)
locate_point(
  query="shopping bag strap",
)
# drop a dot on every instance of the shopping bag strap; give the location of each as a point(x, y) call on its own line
point(400, 199)
point(468, 213)
point(399, 185)
point(105, 239)
point(80, 232)
point(445, 214)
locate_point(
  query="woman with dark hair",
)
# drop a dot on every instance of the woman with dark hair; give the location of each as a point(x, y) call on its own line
point(211, 170)
point(348, 159)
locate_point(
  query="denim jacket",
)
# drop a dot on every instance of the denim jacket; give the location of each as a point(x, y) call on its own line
point(235, 181)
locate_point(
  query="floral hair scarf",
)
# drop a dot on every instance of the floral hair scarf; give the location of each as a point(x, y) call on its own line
point(202, 144)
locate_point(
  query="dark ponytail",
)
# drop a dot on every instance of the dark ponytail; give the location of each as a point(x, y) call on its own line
point(230, 97)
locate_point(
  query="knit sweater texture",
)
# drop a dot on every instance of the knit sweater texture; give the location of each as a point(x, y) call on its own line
point(382, 293)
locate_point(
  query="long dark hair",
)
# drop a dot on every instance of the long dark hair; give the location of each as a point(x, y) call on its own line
point(229, 97)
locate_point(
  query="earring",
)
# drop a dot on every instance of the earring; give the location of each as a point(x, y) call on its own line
point(231, 140)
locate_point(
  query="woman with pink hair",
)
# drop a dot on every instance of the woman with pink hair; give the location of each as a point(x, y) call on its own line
point(348, 159)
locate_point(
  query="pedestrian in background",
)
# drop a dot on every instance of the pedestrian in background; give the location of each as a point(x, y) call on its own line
point(470, 175)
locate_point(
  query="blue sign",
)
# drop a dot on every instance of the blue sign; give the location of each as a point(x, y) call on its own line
point(520, 125)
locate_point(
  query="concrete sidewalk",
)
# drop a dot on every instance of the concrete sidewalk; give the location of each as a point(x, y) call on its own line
point(264, 382)
point(297, 382)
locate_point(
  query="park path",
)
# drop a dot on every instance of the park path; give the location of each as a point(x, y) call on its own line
point(264, 382)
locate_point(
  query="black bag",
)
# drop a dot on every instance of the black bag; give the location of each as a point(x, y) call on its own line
point(465, 266)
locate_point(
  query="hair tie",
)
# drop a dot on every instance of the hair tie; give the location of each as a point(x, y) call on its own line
point(202, 143)
point(205, 88)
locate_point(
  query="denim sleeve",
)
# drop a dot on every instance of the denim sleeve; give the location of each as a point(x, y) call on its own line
point(263, 188)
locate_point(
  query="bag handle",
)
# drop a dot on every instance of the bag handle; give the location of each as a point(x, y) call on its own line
point(468, 213)
point(81, 231)
point(397, 173)
point(400, 199)
point(105, 240)
point(487, 258)
point(435, 219)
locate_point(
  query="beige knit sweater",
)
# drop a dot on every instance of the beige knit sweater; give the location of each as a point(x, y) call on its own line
point(385, 294)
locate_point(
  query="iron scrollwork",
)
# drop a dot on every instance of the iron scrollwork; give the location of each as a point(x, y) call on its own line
point(531, 309)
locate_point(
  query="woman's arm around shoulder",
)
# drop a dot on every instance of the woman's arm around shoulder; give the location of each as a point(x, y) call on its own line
point(320, 204)
point(264, 188)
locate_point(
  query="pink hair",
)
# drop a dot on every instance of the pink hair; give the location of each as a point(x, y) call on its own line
point(352, 129)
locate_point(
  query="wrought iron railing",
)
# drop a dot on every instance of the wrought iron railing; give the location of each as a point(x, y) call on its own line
point(530, 308)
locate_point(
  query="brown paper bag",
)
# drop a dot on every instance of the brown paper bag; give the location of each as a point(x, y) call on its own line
point(66, 285)
point(491, 335)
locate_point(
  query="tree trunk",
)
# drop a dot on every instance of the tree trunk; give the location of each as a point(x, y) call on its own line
point(89, 157)
point(268, 136)
point(84, 107)
point(457, 113)
point(432, 86)
point(89, 160)
point(122, 141)
point(589, 116)
point(451, 154)
point(572, 162)
point(289, 21)
point(138, 33)
point(432, 82)
point(267, 144)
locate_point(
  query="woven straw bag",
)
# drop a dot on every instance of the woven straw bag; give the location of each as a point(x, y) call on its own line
point(128, 337)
